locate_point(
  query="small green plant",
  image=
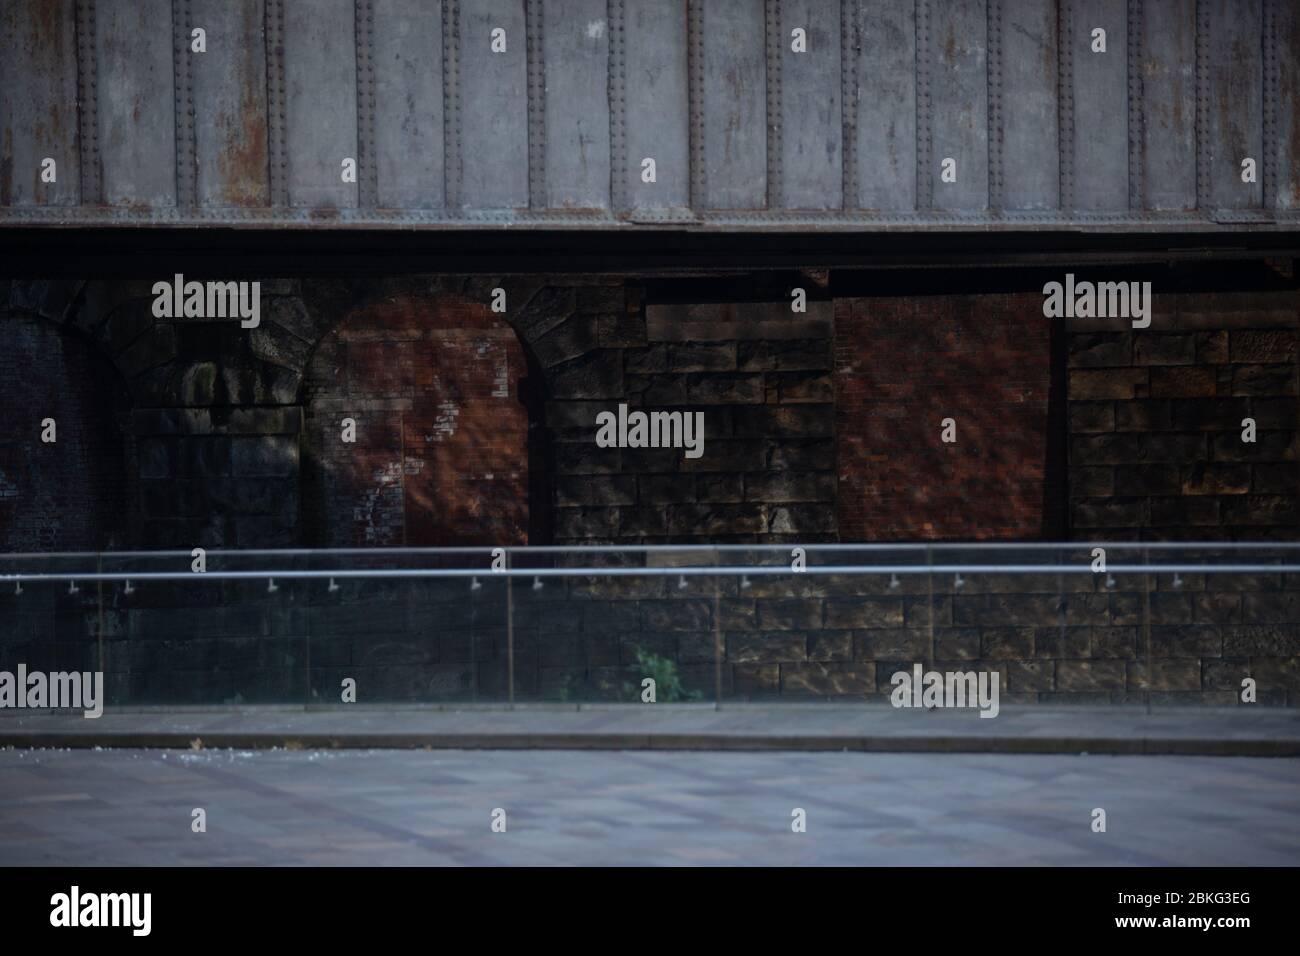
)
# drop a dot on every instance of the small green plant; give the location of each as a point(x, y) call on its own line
point(668, 683)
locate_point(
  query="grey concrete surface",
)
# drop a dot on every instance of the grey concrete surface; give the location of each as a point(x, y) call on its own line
point(408, 807)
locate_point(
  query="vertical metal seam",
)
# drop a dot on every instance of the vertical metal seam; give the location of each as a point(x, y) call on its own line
point(1269, 160)
point(994, 63)
point(1202, 105)
point(849, 41)
point(695, 94)
point(367, 168)
point(92, 188)
point(1136, 104)
point(275, 106)
point(183, 103)
point(617, 90)
point(535, 54)
point(775, 170)
point(451, 166)
point(1065, 104)
point(924, 144)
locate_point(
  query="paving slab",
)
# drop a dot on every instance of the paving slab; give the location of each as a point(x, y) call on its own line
point(353, 807)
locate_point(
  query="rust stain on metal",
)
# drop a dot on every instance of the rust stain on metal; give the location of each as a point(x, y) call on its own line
point(41, 29)
point(49, 25)
point(241, 164)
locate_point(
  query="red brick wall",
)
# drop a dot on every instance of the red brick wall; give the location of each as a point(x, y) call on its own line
point(441, 456)
point(71, 494)
point(903, 365)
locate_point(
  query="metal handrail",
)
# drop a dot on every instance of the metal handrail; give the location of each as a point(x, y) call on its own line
point(662, 548)
point(695, 571)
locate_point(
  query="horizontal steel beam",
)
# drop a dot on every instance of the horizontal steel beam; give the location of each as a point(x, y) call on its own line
point(732, 116)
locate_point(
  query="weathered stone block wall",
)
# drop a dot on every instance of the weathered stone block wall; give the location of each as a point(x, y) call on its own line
point(761, 377)
point(1156, 448)
point(218, 476)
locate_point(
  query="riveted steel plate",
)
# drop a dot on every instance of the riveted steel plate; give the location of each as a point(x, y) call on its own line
point(1236, 115)
point(811, 122)
point(1169, 104)
point(137, 115)
point(886, 104)
point(229, 102)
point(320, 67)
point(576, 71)
point(38, 56)
point(408, 117)
point(959, 96)
point(1029, 70)
point(653, 114)
point(656, 111)
point(735, 110)
point(494, 104)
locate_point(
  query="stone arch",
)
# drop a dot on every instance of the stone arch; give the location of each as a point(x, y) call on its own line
point(447, 410)
point(76, 493)
point(214, 428)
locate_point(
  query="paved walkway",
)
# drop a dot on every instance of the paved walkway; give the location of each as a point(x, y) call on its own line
point(1240, 731)
point(400, 807)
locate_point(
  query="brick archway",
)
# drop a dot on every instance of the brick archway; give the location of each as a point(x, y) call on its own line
point(441, 451)
point(74, 493)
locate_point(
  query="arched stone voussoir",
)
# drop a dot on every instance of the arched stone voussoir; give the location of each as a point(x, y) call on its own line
point(519, 290)
point(100, 299)
point(547, 307)
point(276, 344)
point(291, 313)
